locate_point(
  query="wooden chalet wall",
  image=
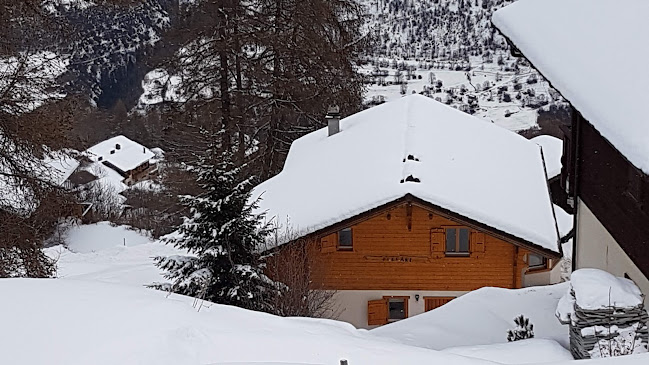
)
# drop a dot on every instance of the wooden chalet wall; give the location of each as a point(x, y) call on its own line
point(615, 191)
point(387, 255)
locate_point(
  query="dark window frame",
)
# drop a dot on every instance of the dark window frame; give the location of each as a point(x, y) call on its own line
point(345, 246)
point(397, 298)
point(457, 252)
point(542, 266)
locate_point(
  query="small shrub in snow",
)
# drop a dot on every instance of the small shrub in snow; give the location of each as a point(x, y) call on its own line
point(524, 329)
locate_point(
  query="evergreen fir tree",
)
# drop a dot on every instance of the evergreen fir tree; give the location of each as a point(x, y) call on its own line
point(222, 236)
point(524, 329)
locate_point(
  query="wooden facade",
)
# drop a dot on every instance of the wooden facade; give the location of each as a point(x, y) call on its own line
point(615, 190)
point(380, 259)
point(402, 248)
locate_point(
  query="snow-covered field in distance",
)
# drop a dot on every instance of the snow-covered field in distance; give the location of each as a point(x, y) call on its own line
point(483, 82)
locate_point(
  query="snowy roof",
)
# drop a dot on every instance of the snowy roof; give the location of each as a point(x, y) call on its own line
point(61, 166)
point(586, 38)
point(465, 165)
point(552, 152)
point(129, 155)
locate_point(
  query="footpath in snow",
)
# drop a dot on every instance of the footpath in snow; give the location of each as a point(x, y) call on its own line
point(111, 254)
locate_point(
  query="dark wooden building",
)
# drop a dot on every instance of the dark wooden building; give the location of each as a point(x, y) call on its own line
point(605, 171)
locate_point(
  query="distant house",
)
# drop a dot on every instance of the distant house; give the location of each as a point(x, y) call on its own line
point(606, 150)
point(409, 204)
point(128, 158)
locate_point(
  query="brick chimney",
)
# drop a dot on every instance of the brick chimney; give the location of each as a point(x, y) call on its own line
point(333, 120)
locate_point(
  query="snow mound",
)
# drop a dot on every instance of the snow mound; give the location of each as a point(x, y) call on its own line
point(517, 352)
point(74, 322)
point(596, 289)
point(482, 317)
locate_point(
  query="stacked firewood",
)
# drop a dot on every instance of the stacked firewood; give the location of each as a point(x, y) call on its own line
point(610, 331)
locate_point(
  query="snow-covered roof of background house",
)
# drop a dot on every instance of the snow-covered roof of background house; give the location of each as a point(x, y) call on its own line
point(464, 164)
point(61, 166)
point(552, 152)
point(595, 53)
point(129, 155)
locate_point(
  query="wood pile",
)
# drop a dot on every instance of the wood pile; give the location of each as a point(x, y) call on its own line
point(610, 331)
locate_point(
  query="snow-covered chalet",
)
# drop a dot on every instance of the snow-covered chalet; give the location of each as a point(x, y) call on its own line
point(410, 204)
point(594, 53)
point(131, 160)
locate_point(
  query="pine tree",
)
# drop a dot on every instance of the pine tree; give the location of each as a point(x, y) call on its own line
point(524, 329)
point(222, 236)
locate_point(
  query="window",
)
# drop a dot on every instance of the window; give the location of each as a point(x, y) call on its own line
point(385, 310)
point(345, 239)
point(536, 261)
point(457, 241)
point(397, 308)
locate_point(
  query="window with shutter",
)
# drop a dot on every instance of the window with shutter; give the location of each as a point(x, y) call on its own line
point(377, 312)
point(457, 241)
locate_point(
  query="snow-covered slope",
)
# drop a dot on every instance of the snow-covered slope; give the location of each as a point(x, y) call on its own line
point(482, 317)
point(110, 254)
point(449, 50)
point(73, 322)
point(529, 351)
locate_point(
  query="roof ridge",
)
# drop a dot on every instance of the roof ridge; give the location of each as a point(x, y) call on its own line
point(409, 155)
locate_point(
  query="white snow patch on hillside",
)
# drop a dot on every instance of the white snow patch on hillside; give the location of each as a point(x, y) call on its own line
point(529, 351)
point(482, 317)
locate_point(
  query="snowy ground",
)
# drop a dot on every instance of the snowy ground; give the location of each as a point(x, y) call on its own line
point(104, 253)
point(84, 322)
point(482, 317)
point(98, 312)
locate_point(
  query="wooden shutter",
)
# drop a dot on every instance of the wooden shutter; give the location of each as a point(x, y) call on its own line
point(377, 312)
point(437, 242)
point(328, 243)
point(477, 243)
point(436, 302)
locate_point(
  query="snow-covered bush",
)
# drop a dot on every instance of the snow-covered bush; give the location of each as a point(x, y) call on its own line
point(524, 329)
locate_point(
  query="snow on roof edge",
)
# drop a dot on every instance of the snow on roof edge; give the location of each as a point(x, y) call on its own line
point(630, 152)
point(293, 233)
